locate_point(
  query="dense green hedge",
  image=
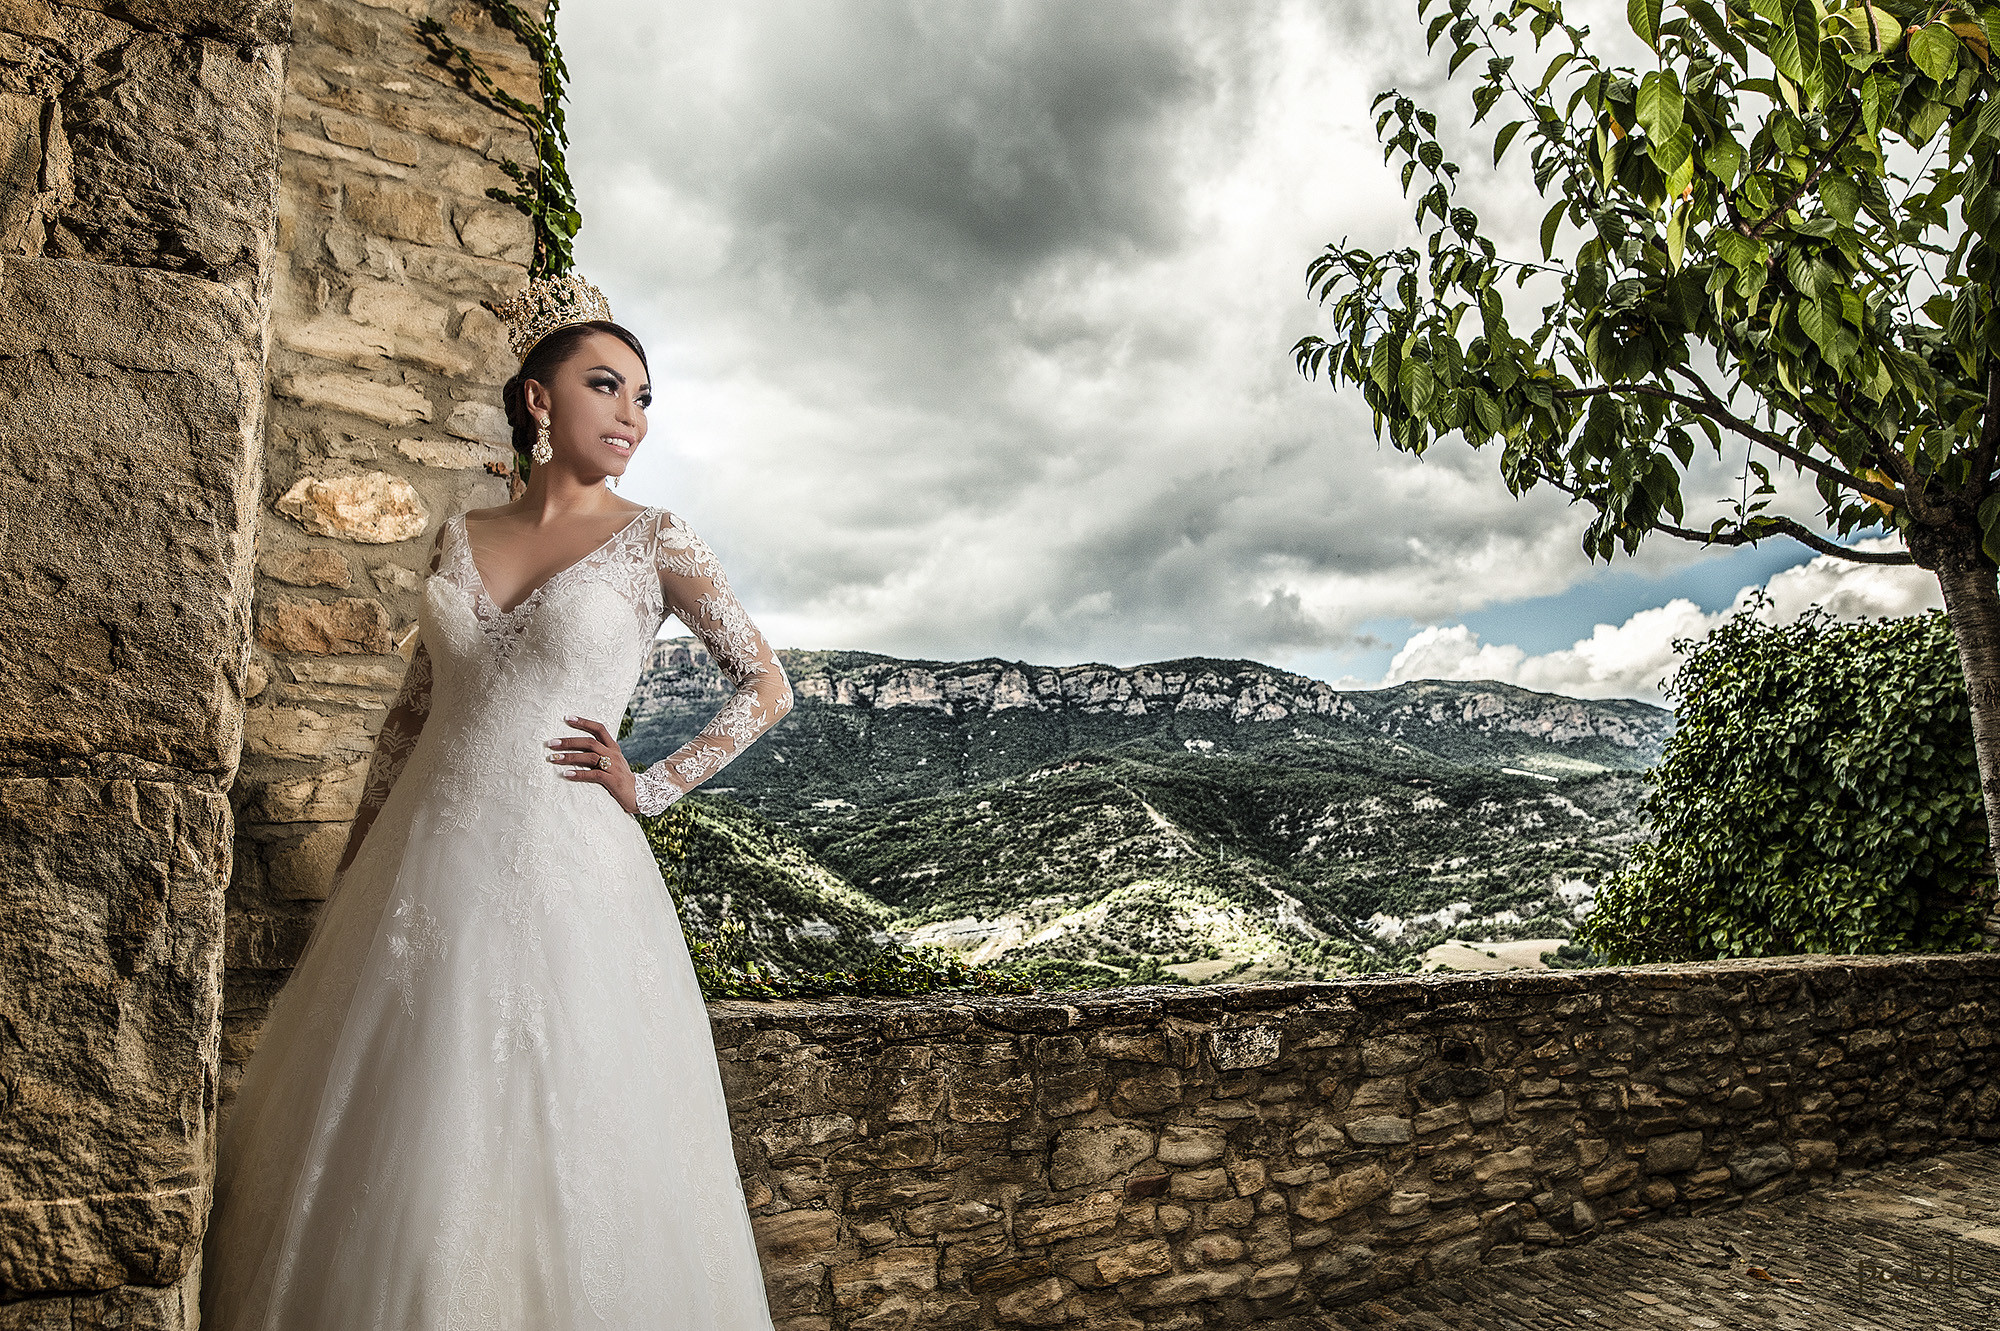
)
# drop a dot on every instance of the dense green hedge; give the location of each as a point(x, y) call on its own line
point(1820, 795)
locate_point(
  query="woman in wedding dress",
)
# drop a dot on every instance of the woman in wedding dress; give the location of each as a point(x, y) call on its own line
point(487, 1096)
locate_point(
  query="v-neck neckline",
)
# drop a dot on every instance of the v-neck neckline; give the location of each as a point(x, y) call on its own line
point(486, 594)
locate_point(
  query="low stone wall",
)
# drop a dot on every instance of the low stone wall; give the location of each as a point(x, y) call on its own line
point(1171, 1157)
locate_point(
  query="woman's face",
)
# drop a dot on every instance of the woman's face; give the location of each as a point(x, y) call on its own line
point(596, 404)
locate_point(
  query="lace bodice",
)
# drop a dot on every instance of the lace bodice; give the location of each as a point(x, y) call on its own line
point(574, 646)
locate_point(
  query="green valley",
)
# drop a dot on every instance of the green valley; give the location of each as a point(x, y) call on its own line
point(1188, 820)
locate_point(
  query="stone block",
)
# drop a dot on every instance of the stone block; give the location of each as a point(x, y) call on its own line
point(495, 233)
point(111, 937)
point(897, 1271)
point(1150, 1258)
point(1038, 1304)
point(1390, 1054)
point(132, 403)
point(300, 732)
point(483, 421)
point(172, 160)
point(797, 1236)
point(1341, 1194)
point(1379, 1131)
point(306, 568)
point(399, 309)
point(231, 20)
point(1085, 1156)
point(20, 168)
point(1183, 1145)
point(1519, 1160)
point(350, 626)
point(1200, 1185)
point(400, 212)
point(303, 870)
point(386, 404)
point(1615, 1179)
point(1674, 1153)
point(1213, 1249)
point(329, 795)
point(1759, 1163)
point(1245, 1047)
point(457, 454)
point(341, 340)
point(1092, 1214)
point(1188, 1287)
point(373, 508)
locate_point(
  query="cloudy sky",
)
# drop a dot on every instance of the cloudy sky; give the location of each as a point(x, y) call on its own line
point(970, 328)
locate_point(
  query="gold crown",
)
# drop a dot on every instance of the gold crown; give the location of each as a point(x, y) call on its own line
point(549, 303)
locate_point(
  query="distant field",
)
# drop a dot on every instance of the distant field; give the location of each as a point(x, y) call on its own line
point(1521, 954)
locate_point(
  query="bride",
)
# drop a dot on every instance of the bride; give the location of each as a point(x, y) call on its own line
point(487, 1096)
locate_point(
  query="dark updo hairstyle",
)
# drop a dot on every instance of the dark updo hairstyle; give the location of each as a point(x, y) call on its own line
point(544, 359)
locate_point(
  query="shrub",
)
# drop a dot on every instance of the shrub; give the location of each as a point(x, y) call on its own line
point(1820, 795)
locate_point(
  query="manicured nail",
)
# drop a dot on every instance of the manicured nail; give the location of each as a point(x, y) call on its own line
point(551, 743)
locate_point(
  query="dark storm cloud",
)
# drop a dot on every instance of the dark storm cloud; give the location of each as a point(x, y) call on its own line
point(909, 147)
point(971, 321)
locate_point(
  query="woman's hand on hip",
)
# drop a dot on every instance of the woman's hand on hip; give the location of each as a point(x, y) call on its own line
point(595, 757)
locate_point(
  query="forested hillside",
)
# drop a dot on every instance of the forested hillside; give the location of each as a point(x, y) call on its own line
point(1205, 817)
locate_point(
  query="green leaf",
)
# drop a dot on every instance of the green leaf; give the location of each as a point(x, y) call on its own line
point(1645, 19)
point(1551, 224)
point(1677, 237)
point(1922, 125)
point(1739, 251)
point(1819, 319)
point(1934, 49)
point(1504, 138)
point(1841, 196)
point(1661, 105)
point(1723, 159)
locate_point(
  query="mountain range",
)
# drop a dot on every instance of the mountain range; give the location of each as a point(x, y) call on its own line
point(1194, 819)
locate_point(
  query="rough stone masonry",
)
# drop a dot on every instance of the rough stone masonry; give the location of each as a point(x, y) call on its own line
point(1252, 1154)
point(241, 248)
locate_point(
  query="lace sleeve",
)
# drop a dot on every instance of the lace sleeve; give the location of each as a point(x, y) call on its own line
point(698, 594)
point(395, 741)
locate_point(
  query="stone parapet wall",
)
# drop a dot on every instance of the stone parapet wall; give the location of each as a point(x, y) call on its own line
point(138, 218)
point(1171, 1157)
point(384, 420)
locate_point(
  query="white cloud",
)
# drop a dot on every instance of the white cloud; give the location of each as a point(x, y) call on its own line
point(1633, 659)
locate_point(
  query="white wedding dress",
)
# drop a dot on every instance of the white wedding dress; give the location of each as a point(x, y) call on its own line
point(487, 1096)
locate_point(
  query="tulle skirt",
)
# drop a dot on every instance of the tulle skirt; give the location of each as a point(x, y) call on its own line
point(487, 1096)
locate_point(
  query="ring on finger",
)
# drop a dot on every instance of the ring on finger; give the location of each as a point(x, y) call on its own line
point(604, 762)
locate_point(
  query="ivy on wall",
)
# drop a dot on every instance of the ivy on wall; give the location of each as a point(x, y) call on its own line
point(542, 191)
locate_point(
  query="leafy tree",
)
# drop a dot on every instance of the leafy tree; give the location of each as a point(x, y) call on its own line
point(1732, 258)
point(1821, 795)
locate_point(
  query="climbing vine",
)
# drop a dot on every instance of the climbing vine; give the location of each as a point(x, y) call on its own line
point(542, 191)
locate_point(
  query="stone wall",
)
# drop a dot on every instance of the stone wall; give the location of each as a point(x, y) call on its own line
point(138, 213)
point(384, 420)
point(1254, 1153)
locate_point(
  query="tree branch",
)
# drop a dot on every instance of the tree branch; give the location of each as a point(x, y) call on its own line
point(1812, 177)
point(1781, 526)
point(1776, 443)
point(1785, 527)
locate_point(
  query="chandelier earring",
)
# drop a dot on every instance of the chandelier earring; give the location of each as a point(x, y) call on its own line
point(543, 449)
